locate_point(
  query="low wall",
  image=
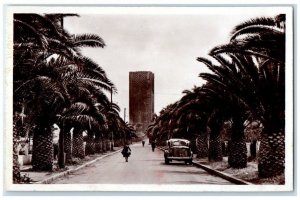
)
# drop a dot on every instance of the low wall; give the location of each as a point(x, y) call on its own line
point(25, 159)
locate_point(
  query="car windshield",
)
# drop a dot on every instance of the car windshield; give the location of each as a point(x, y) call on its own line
point(178, 143)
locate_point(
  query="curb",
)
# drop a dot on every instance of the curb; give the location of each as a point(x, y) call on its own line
point(69, 171)
point(223, 175)
point(218, 173)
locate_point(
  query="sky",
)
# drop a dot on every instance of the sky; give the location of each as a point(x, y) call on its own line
point(166, 44)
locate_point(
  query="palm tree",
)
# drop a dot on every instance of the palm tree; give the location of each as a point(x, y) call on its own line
point(84, 81)
point(219, 89)
point(27, 30)
point(191, 114)
point(78, 148)
point(16, 166)
point(152, 130)
point(215, 123)
point(260, 37)
point(44, 98)
point(263, 40)
point(182, 119)
point(67, 142)
point(88, 87)
point(83, 115)
point(35, 85)
point(272, 91)
point(163, 129)
point(90, 143)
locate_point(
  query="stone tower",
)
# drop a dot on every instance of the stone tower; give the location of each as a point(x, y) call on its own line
point(141, 100)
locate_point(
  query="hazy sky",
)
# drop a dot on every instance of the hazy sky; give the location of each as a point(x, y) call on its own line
point(167, 45)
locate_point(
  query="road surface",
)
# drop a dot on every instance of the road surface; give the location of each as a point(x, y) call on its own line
point(144, 167)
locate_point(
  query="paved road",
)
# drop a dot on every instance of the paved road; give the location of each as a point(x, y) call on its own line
point(144, 166)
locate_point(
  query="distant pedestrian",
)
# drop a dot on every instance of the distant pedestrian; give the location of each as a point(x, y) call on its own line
point(143, 142)
point(153, 146)
point(126, 152)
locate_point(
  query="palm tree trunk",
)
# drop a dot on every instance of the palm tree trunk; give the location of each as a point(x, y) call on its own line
point(237, 157)
point(90, 144)
point(78, 148)
point(215, 145)
point(224, 149)
point(202, 145)
point(103, 145)
point(42, 150)
point(253, 149)
point(107, 145)
point(271, 157)
point(16, 165)
point(98, 144)
point(117, 142)
point(68, 145)
point(61, 153)
point(215, 148)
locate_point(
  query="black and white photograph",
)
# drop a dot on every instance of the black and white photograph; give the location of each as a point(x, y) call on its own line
point(149, 98)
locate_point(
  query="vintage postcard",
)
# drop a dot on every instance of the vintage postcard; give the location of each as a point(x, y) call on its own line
point(149, 98)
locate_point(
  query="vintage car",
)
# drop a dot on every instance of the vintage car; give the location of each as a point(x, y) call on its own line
point(178, 149)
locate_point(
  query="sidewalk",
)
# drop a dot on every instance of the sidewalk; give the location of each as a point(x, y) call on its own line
point(47, 177)
point(204, 164)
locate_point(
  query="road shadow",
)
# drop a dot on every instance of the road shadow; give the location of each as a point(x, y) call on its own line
point(177, 164)
point(184, 172)
point(150, 160)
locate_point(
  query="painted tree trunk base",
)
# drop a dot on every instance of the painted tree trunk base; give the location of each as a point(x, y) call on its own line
point(237, 157)
point(42, 150)
point(271, 156)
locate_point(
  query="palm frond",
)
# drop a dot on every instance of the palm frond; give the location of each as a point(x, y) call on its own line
point(256, 21)
point(34, 32)
point(77, 108)
point(99, 83)
point(63, 49)
point(254, 29)
point(88, 40)
point(233, 48)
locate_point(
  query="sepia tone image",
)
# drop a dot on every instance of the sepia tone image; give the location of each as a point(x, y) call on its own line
point(150, 99)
